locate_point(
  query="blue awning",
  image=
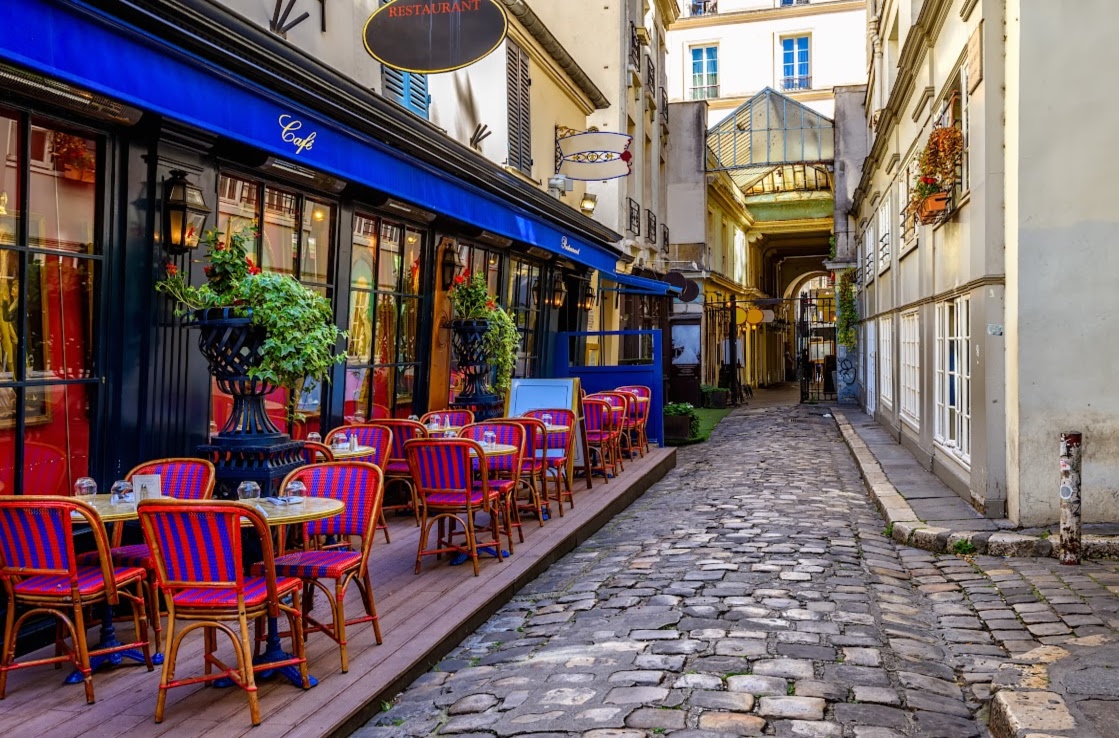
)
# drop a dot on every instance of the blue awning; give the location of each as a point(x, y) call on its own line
point(123, 62)
point(632, 285)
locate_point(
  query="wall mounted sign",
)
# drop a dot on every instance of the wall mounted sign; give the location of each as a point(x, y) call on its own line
point(592, 155)
point(431, 36)
point(291, 132)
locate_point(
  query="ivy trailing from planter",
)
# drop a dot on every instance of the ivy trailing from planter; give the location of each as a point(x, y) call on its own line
point(848, 312)
point(684, 408)
point(471, 300)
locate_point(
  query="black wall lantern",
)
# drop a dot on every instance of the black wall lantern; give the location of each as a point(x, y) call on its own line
point(586, 297)
point(556, 298)
point(184, 213)
point(451, 265)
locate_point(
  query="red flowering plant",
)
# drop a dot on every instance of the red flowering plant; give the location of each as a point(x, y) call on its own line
point(298, 322)
point(471, 300)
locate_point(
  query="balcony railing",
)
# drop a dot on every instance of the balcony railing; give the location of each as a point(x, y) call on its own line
point(664, 106)
point(796, 83)
point(651, 226)
point(634, 47)
point(650, 75)
point(634, 225)
point(701, 7)
point(664, 238)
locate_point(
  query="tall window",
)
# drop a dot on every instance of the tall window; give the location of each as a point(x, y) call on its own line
point(886, 360)
point(476, 260)
point(871, 255)
point(407, 88)
point(386, 298)
point(296, 239)
point(953, 376)
point(527, 289)
point(705, 72)
point(520, 112)
point(884, 217)
point(911, 368)
point(50, 275)
point(955, 113)
point(795, 69)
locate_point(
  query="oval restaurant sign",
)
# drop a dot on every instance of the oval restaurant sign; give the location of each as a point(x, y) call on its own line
point(431, 36)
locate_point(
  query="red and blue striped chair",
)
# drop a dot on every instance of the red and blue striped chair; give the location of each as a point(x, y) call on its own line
point(360, 485)
point(182, 478)
point(316, 453)
point(504, 470)
point(623, 403)
point(197, 551)
point(396, 467)
point(39, 570)
point(451, 489)
point(377, 437)
point(456, 418)
point(534, 468)
point(602, 435)
point(560, 447)
point(640, 417)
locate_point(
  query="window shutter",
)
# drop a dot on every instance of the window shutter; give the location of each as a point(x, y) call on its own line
point(406, 88)
point(520, 124)
point(418, 98)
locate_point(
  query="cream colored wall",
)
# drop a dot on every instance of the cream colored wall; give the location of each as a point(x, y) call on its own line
point(750, 53)
point(341, 47)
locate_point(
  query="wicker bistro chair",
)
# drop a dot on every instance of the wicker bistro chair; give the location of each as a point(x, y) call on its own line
point(377, 437)
point(451, 489)
point(630, 424)
point(317, 453)
point(505, 470)
point(361, 486)
point(40, 571)
point(534, 469)
point(182, 478)
point(457, 418)
point(197, 551)
point(602, 435)
point(558, 449)
point(624, 403)
point(641, 416)
point(395, 466)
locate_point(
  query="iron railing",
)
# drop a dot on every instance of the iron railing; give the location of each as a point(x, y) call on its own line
point(650, 75)
point(634, 47)
point(651, 226)
point(664, 238)
point(799, 82)
point(702, 7)
point(634, 225)
point(664, 106)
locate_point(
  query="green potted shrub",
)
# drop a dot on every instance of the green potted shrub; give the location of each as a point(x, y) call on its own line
point(680, 421)
point(485, 341)
point(714, 397)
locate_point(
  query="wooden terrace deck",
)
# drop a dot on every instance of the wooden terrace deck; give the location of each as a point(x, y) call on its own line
point(422, 617)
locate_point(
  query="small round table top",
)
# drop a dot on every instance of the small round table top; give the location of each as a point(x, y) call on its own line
point(311, 508)
point(436, 431)
point(557, 428)
point(345, 452)
point(497, 449)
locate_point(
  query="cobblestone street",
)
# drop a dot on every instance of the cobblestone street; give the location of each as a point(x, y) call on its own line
point(752, 592)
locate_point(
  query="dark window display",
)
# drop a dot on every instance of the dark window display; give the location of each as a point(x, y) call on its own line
point(50, 270)
point(295, 239)
point(386, 301)
point(524, 303)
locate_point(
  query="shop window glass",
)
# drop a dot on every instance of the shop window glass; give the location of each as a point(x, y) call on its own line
point(49, 385)
point(296, 240)
point(524, 305)
point(386, 304)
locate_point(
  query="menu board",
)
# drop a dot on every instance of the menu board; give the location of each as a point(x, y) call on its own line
point(541, 394)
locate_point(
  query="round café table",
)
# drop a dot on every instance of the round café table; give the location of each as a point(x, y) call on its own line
point(310, 508)
point(341, 453)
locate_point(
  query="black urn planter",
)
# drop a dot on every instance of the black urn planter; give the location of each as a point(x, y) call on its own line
point(677, 427)
point(468, 342)
point(249, 446)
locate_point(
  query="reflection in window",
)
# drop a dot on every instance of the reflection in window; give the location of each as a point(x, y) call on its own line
point(385, 307)
point(525, 285)
point(48, 304)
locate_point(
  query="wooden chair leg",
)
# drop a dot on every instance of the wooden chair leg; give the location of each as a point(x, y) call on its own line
point(472, 543)
point(366, 591)
point(339, 607)
point(298, 639)
point(383, 525)
point(8, 656)
point(168, 672)
point(82, 646)
point(245, 665)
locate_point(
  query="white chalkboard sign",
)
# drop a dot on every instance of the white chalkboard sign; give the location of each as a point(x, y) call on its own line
point(541, 394)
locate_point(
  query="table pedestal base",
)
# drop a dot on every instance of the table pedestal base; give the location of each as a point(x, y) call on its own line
point(109, 640)
point(273, 652)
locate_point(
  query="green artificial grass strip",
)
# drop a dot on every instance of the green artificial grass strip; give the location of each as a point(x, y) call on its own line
point(708, 419)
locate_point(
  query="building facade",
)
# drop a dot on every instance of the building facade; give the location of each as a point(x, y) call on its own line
point(971, 349)
point(356, 194)
point(726, 51)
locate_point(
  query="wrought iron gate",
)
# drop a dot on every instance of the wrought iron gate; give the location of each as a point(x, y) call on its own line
point(816, 354)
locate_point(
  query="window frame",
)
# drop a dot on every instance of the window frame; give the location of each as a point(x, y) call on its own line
point(518, 85)
point(910, 366)
point(705, 90)
point(953, 372)
point(886, 361)
point(801, 77)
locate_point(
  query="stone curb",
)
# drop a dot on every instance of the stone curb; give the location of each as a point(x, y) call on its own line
point(906, 528)
point(1023, 705)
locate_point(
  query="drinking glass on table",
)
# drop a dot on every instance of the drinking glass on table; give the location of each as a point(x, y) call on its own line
point(295, 488)
point(489, 439)
point(547, 419)
point(248, 491)
point(314, 437)
point(449, 433)
point(121, 492)
point(85, 489)
point(433, 424)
